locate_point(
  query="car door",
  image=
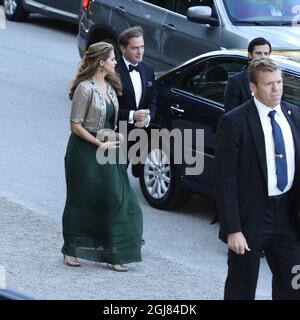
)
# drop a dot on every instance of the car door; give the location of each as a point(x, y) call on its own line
point(68, 6)
point(147, 14)
point(291, 84)
point(183, 39)
point(197, 96)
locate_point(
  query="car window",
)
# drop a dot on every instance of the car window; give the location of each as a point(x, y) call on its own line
point(161, 3)
point(181, 6)
point(271, 12)
point(291, 85)
point(208, 80)
point(190, 81)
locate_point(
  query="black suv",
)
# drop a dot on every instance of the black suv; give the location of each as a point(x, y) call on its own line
point(178, 30)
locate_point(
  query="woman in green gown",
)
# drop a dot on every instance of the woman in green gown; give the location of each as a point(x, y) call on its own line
point(102, 219)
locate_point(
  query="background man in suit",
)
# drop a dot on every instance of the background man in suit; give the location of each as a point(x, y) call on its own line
point(237, 90)
point(137, 105)
point(257, 178)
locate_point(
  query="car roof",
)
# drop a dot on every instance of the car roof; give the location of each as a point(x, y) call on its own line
point(287, 59)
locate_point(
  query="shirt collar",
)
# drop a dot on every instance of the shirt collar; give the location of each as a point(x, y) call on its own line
point(264, 110)
point(127, 63)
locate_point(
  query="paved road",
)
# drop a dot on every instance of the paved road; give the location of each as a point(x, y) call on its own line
point(182, 257)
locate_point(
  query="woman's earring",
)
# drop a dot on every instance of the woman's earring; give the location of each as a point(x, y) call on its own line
point(101, 68)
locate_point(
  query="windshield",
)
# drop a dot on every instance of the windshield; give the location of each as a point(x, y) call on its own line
point(263, 12)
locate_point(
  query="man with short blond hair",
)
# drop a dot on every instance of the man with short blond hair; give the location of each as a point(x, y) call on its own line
point(257, 179)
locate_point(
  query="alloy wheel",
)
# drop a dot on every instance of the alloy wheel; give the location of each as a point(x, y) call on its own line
point(10, 6)
point(157, 174)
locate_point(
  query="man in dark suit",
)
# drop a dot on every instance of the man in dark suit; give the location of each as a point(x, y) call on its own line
point(237, 90)
point(137, 105)
point(257, 179)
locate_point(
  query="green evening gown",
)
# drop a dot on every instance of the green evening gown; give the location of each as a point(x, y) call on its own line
point(102, 219)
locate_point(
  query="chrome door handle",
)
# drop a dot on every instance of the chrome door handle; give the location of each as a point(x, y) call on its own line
point(177, 109)
point(120, 9)
point(169, 27)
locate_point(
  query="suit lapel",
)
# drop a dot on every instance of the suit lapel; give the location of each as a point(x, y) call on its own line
point(143, 79)
point(258, 136)
point(126, 80)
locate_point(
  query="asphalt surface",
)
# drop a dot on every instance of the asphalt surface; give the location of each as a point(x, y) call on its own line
point(30, 253)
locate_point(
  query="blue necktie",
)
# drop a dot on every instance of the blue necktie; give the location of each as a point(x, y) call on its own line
point(280, 155)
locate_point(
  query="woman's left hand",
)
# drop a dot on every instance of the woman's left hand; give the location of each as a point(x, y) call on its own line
point(110, 145)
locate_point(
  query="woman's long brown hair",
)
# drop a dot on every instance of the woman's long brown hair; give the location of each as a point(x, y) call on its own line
point(90, 64)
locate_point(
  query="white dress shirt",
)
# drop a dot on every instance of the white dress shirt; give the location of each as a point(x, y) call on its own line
point(265, 120)
point(138, 90)
point(137, 86)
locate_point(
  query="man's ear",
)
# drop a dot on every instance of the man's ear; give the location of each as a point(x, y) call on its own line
point(252, 87)
point(122, 48)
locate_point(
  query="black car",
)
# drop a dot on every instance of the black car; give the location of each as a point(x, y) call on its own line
point(67, 10)
point(190, 96)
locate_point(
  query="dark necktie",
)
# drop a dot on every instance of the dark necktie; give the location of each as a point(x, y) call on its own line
point(280, 155)
point(136, 68)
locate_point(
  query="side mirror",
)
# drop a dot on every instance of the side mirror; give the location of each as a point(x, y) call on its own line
point(203, 15)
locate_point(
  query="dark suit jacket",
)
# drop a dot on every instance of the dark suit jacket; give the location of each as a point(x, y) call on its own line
point(237, 91)
point(127, 100)
point(241, 170)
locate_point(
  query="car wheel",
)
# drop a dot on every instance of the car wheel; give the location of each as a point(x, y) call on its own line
point(14, 10)
point(160, 181)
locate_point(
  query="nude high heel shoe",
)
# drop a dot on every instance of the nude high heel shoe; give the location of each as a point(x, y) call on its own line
point(117, 267)
point(71, 262)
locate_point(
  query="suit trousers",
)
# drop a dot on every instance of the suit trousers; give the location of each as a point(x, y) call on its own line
point(280, 241)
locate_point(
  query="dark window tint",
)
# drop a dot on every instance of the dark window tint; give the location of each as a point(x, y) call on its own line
point(161, 3)
point(191, 80)
point(291, 85)
point(209, 80)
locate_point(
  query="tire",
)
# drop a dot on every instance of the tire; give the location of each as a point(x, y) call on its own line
point(14, 10)
point(160, 182)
